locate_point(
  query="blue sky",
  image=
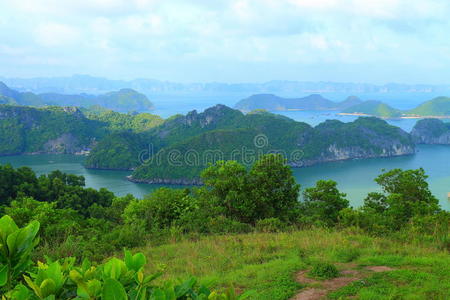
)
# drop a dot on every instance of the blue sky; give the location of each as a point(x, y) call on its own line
point(376, 41)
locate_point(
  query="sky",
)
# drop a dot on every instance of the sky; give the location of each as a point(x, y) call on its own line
point(374, 41)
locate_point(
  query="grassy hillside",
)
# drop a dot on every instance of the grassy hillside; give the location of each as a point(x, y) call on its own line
point(374, 108)
point(268, 263)
point(439, 106)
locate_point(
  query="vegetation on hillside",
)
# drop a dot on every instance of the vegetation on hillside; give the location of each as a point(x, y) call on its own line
point(63, 129)
point(259, 133)
point(439, 106)
point(125, 100)
point(374, 108)
point(88, 224)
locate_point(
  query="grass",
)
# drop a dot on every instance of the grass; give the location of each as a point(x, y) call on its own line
point(268, 262)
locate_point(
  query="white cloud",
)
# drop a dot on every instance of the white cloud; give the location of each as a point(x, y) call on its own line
point(196, 33)
point(55, 34)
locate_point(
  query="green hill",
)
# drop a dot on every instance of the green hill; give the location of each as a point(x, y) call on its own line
point(312, 102)
point(54, 129)
point(124, 100)
point(439, 106)
point(183, 145)
point(374, 108)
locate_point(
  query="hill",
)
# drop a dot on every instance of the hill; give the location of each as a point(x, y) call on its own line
point(312, 102)
point(123, 100)
point(439, 106)
point(373, 108)
point(183, 145)
point(55, 129)
point(302, 145)
point(431, 131)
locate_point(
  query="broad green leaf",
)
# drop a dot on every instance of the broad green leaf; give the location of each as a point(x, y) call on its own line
point(7, 226)
point(33, 286)
point(185, 287)
point(113, 290)
point(3, 275)
point(114, 268)
point(135, 262)
point(158, 294)
point(48, 287)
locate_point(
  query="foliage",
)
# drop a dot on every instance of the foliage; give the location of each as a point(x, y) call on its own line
point(322, 203)
point(439, 106)
point(324, 271)
point(374, 108)
point(62, 279)
point(268, 190)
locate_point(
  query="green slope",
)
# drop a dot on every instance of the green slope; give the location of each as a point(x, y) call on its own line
point(65, 129)
point(439, 106)
point(374, 108)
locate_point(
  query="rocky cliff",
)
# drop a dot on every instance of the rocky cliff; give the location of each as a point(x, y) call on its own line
point(431, 131)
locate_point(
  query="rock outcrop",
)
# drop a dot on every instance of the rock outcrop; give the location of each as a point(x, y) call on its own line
point(431, 131)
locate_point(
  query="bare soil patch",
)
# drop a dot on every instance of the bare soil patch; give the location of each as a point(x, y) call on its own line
point(320, 288)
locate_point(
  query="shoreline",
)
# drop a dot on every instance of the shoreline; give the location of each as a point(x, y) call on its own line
point(394, 118)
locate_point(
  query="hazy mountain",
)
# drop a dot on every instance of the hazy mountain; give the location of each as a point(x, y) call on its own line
point(374, 108)
point(312, 102)
point(439, 106)
point(94, 85)
point(122, 100)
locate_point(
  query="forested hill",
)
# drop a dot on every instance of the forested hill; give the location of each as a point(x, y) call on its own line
point(63, 129)
point(183, 145)
point(312, 102)
point(124, 100)
point(436, 107)
point(431, 131)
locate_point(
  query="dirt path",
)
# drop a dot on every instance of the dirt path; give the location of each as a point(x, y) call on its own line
point(318, 289)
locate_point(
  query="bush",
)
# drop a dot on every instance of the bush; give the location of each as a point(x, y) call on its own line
point(118, 279)
point(324, 271)
point(222, 224)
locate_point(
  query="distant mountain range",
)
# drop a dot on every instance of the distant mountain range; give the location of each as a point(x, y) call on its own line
point(96, 85)
point(437, 107)
point(123, 100)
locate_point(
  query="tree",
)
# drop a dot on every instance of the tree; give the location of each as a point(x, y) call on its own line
point(227, 183)
point(268, 190)
point(160, 209)
point(324, 202)
point(405, 195)
point(273, 188)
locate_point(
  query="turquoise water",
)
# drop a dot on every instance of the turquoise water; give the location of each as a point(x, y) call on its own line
point(355, 177)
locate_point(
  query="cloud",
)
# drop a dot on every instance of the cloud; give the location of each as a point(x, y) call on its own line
point(154, 38)
point(55, 34)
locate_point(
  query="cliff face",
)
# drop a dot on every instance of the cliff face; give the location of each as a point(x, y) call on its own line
point(431, 131)
point(363, 138)
point(47, 130)
point(301, 144)
point(335, 153)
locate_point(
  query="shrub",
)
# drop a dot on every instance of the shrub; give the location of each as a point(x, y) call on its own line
point(62, 279)
point(324, 271)
point(223, 224)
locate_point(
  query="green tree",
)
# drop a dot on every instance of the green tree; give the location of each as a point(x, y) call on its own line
point(405, 195)
point(160, 209)
point(268, 190)
point(323, 202)
point(273, 189)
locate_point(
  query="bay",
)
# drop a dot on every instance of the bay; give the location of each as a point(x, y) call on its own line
point(354, 177)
